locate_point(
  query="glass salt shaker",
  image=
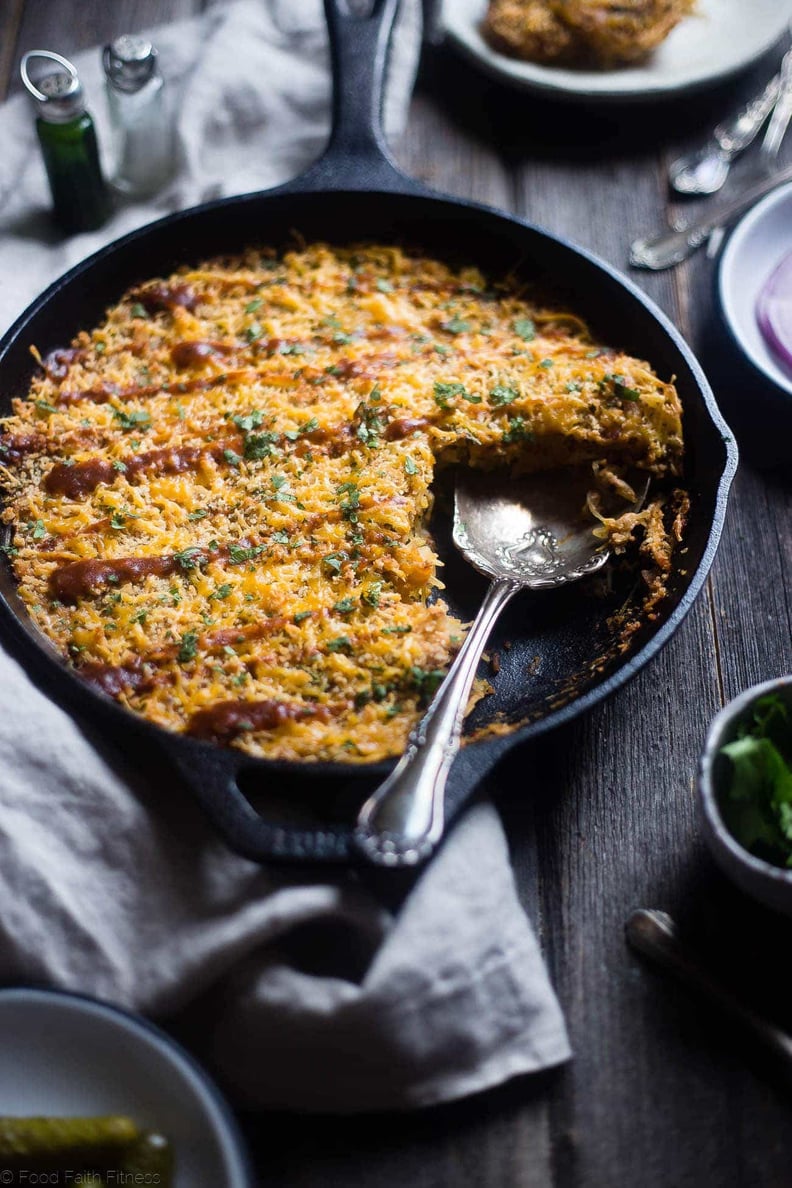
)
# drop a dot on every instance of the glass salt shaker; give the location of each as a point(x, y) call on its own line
point(67, 139)
point(140, 121)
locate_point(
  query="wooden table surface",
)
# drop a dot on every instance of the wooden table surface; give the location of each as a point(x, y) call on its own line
point(601, 815)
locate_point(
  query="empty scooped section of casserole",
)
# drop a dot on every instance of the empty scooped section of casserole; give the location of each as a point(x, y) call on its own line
point(218, 497)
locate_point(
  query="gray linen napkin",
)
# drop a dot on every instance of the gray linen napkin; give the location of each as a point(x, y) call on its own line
point(111, 883)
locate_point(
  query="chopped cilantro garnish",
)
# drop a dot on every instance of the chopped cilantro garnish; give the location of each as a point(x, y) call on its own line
point(757, 802)
point(371, 596)
point(187, 559)
point(525, 329)
point(118, 521)
point(117, 465)
point(426, 681)
point(221, 592)
point(546, 363)
point(237, 554)
point(138, 310)
point(45, 406)
point(350, 505)
point(446, 393)
point(253, 305)
point(517, 431)
point(403, 630)
point(503, 394)
point(340, 644)
point(139, 418)
point(455, 325)
point(298, 618)
point(345, 606)
point(251, 420)
point(281, 537)
point(334, 561)
point(253, 332)
point(260, 445)
point(188, 648)
point(231, 458)
point(39, 531)
point(409, 466)
point(200, 514)
point(384, 286)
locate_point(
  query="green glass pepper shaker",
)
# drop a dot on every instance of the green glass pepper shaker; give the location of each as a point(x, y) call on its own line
point(81, 201)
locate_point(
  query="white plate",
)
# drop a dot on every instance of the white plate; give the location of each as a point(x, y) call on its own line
point(65, 1055)
point(720, 38)
point(756, 247)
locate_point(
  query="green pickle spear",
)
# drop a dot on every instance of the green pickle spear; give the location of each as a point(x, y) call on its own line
point(83, 1142)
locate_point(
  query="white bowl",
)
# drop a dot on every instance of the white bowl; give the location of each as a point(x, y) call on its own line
point(62, 1054)
point(771, 885)
point(755, 248)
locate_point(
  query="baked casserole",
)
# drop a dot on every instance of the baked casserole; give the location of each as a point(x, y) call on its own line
point(217, 499)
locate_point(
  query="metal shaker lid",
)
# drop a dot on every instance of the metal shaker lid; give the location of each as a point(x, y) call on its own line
point(57, 94)
point(129, 62)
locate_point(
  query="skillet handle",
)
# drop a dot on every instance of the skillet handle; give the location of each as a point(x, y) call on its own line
point(294, 816)
point(212, 775)
point(357, 156)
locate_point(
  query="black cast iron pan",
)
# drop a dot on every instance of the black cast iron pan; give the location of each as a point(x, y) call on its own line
point(304, 812)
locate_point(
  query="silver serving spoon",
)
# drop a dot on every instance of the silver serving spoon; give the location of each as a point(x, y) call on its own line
point(530, 533)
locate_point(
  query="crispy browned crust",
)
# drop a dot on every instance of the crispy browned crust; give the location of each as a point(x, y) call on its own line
point(604, 33)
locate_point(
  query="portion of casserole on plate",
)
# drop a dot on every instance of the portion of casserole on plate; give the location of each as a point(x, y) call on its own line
point(218, 497)
point(593, 33)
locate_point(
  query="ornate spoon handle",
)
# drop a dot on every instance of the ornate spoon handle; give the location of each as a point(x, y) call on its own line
point(400, 824)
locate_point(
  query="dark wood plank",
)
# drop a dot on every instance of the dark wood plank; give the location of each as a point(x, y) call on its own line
point(10, 20)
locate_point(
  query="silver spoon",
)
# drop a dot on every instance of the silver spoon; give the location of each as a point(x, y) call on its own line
point(528, 533)
point(705, 170)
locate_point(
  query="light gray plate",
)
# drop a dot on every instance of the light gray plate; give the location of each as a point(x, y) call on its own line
point(719, 39)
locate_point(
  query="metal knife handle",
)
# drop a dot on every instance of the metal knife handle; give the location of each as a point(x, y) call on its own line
point(654, 935)
point(736, 134)
point(672, 247)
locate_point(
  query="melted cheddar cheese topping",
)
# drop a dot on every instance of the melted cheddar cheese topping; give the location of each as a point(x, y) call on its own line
point(218, 497)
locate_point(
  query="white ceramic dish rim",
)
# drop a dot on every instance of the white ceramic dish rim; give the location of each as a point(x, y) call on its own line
point(229, 1137)
point(726, 289)
point(734, 709)
point(559, 83)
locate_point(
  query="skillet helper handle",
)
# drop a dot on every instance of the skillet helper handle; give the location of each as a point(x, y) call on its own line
point(357, 155)
point(402, 822)
point(212, 775)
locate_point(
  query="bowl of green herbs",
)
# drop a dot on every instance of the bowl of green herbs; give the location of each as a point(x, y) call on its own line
point(745, 788)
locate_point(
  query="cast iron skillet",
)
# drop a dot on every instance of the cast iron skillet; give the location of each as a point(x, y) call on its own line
point(304, 812)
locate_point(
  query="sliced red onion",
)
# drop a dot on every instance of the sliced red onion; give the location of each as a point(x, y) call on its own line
point(774, 311)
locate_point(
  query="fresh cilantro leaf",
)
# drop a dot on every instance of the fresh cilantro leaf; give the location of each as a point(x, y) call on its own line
point(525, 329)
point(188, 648)
point(503, 394)
point(139, 418)
point(455, 325)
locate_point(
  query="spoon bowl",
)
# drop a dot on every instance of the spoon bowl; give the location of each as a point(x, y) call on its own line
point(535, 530)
